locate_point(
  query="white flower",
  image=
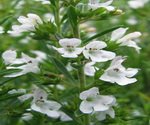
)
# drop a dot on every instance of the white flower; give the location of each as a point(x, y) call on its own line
point(44, 1)
point(69, 67)
point(94, 51)
point(135, 4)
point(132, 20)
point(126, 40)
point(95, 4)
point(25, 97)
point(64, 117)
point(102, 115)
point(116, 73)
point(70, 47)
point(9, 56)
point(93, 102)
point(31, 20)
point(27, 116)
point(20, 4)
point(28, 23)
point(40, 56)
point(49, 17)
point(89, 69)
point(16, 30)
point(14, 91)
point(27, 63)
point(88, 29)
point(1, 30)
point(44, 106)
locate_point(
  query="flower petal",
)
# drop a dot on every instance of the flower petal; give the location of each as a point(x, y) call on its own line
point(118, 33)
point(96, 45)
point(69, 42)
point(9, 56)
point(86, 107)
point(89, 93)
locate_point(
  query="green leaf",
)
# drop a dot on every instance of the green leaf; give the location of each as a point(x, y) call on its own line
point(60, 66)
point(5, 72)
point(5, 80)
point(102, 33)
point(45, 31)
point(5, 19)
point(53, 2)
point(9, 96)
point(72, 17)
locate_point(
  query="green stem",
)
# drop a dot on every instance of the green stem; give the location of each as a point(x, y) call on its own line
point(81, 75)
point(57, 16)
point(76, 32)
point(87, 120)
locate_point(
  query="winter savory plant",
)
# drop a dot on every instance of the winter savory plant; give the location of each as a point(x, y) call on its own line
point(75, 64)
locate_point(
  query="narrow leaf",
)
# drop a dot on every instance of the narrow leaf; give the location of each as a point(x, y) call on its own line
point(101, 34)
point(60, 66)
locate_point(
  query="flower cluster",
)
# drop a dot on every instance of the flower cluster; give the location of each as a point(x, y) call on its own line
point(94, 103)
point(126, 40)
point(28, 23)
point(86, 57)
point(44, 106)
point(26, 64)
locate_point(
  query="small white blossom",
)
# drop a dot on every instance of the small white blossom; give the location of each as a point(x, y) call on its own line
point(50, 108)
point(102, 115)
point(28, 23)
point(14, 91)
point(64, 117)
point(88, 29)
point(69, 48)
point(69, 67)
point(135, 4)
point(116, 73)
point(44, 1)
point(27, 116)
point(126, 40)
point(94, 51)
point(44, 106)
point(49, 17)
point(95, 4)
point(25, 97)
point(28, 64)
point(90, 69)
point(20, 4)
point(94, 103)
point(16, 30)
point(58, 86)
point(1, 30)
point(132, 20)
point(9, 56)
point(40, 56)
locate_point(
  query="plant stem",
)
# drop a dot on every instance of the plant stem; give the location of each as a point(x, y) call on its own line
point(76, 32)
point(87, 120)
point(57, 14)
point(81, 75)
